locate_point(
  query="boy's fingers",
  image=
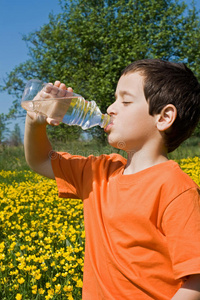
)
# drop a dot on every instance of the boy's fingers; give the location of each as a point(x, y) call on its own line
point(57, 83)
point(57, 89)
point(48, 87)
point(42, 119)
point(63, 86)
point(70, 89)
point(52, 122)
point(62, 89)
point(54, 90)
point(61, 92)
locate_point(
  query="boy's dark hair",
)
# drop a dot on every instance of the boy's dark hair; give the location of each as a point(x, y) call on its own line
point(170, 83)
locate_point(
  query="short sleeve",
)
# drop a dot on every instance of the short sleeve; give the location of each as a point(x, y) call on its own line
point(181, 225)
point(70, 171)
point(75, 175)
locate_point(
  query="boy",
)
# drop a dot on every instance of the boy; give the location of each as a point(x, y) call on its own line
point(142, 215)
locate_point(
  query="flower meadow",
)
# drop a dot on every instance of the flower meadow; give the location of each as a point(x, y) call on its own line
point(42, 237)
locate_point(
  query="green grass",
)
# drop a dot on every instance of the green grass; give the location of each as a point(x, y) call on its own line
point(190, 148)
point(12, 158)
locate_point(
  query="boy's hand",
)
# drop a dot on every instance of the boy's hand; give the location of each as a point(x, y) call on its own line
point(50, 91)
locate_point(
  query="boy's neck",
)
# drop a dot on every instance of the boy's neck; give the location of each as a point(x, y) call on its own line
point(138, 161)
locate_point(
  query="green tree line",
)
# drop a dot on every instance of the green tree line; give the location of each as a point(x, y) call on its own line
point(91, 42)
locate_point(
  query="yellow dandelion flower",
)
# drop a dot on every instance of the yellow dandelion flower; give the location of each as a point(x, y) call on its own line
point(16, 286)
point(21, 266)
point(18, 296)
point(21, 280)
point(44, 268)
point(2, 246)
point(64, 274)
point(34, 289)
point(79, 261)
point(38, 276)
point(51, 292)
point(3, 268)
point(2, 256)
point(79, 283)
point(68, 288)
point(41, 291)
point(57, 288)
point(70, 297)
point(48, 285)
point(48, 297)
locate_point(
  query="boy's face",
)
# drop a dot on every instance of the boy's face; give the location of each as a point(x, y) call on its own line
point(131, 127)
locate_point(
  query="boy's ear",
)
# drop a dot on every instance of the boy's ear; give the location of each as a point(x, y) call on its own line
point(166, 117)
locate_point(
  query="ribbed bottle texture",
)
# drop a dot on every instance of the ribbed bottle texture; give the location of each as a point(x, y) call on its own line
point(85, 114)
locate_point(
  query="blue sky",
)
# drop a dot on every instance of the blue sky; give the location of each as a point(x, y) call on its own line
point(19, 17)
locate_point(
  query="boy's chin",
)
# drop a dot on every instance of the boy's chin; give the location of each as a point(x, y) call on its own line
point(121, 145)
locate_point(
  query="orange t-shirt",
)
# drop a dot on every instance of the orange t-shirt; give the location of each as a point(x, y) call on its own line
point(142, 230)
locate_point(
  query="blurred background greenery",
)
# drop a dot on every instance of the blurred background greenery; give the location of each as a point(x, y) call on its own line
point(87, 46)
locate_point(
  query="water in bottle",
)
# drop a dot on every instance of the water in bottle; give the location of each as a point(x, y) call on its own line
point(71, 109)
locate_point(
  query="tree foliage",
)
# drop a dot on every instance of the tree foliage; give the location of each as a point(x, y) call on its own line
point(91, 42)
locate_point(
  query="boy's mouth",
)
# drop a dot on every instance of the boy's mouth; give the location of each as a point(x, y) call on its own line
point(108, 127)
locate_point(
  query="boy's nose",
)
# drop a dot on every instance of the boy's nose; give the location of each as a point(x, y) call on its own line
point(111, 109)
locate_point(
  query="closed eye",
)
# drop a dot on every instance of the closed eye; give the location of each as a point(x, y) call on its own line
point(126, 102)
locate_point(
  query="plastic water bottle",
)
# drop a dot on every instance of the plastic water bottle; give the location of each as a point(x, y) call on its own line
point(71, 108)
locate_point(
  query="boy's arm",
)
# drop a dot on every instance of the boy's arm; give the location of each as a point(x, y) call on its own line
point(190, 289)
point(37, 147)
